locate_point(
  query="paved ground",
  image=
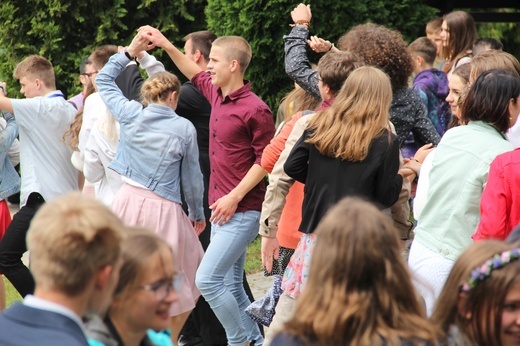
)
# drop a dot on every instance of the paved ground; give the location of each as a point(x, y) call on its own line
point(259, 284)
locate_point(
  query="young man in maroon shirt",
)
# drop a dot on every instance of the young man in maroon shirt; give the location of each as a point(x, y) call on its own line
point(241, 125)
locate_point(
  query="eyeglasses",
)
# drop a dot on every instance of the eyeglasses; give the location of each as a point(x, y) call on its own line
point(162, 289)
point(88, 74)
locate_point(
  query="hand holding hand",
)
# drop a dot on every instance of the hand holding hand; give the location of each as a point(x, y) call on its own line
point(302, 13)
point(319, 45)
point(139, 44)
point(153, 36)
point(422, 152)
point(270, 249)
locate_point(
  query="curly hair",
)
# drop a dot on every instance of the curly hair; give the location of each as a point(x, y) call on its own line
point(381, 47)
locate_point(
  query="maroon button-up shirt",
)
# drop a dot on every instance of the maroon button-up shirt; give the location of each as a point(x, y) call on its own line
point(241, 125)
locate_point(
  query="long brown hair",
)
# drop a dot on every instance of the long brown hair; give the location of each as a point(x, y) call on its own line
point(477, 314)
point(359, 114)
point(463, 34)
point(71, 136)
point(359, 291)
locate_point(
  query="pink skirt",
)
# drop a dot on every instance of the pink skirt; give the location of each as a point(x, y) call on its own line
point(138, 206)
point(297, 271)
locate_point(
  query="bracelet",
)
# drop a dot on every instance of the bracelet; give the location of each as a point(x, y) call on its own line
point(301, 22)
point(129, 56)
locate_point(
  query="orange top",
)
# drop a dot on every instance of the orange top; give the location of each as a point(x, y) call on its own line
point(288, 235)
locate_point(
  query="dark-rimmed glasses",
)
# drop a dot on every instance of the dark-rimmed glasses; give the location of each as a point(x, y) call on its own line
point(163, 288)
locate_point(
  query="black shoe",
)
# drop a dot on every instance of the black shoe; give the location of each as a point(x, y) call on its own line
point(188, 340)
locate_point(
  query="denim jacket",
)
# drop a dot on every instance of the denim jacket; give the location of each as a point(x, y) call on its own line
point(157, 148)
point(9, 178)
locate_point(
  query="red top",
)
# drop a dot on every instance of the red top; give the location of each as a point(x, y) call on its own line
point(241, 125)
point(500, 203)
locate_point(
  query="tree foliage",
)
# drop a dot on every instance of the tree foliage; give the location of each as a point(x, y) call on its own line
point(66, 31)
point(264, 22)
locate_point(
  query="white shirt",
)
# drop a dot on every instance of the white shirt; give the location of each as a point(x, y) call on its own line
point(93, 109)
point(99, 152)
point(514, 134)
point(44, 156)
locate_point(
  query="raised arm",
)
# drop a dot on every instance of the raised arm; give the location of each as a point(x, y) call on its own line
point(297, 65)
point(157, 39)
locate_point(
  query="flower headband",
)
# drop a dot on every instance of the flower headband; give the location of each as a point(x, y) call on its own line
point(483, 271)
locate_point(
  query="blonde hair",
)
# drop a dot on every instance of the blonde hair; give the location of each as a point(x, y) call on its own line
point(36, 67)
point(359, 291)
point(359, 115)
point(71, 136)
point(158, 86)
point(235, 48)
point(484, 303)
point(492, 59)
point(69, 239)
point(108, 126)
point(297, 100)
point(138, 249)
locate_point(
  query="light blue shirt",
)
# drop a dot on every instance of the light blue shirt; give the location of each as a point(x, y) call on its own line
point(44, 157)
point(457, 178)
point(157, 149)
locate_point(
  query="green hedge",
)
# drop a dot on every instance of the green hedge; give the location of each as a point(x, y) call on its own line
point(263, 23)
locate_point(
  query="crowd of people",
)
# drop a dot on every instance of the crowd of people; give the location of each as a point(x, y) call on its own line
point(139, 197)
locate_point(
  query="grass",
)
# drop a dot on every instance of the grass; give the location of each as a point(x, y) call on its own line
point(253, 265)
point(11, 295)
point(253, 257)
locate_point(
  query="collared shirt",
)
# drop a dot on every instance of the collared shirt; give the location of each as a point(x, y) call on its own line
point(44, 156)
point(458, 175)
point(42, 304)
point(241, 125)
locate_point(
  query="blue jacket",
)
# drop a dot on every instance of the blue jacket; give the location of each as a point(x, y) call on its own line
point(157, 148)
point(432, 86)
point(22, 325)
point(9, 178)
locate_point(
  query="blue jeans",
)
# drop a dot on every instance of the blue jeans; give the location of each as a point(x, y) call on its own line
point(220, 275)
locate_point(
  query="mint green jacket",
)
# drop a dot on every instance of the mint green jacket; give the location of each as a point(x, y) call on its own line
point(457, 179)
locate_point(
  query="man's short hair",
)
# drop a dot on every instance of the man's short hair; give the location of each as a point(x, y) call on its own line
point(425, 48)
point(235, 48)
point(100, 56)
point(36, 67)
point(70, 238)
point(486, 43)
point(202, 41)
point(434, 26)
point(335, 67)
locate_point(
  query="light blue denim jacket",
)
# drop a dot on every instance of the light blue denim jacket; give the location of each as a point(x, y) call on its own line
point(10, 180)
point(157, 148)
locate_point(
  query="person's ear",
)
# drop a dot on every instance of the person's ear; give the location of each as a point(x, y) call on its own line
point(38, 83)
point(233, 65)
point(462, 306)
point(327, 90)
point(102, 276)
point(173, 97)
point(197, 55)
point(419, 60)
